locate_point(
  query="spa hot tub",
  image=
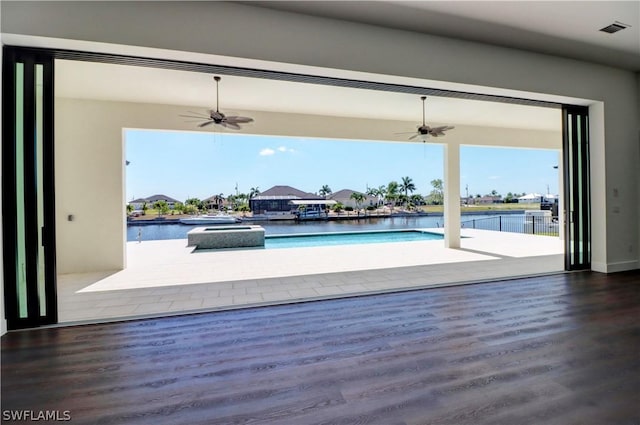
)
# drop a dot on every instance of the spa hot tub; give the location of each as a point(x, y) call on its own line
point(233, 236)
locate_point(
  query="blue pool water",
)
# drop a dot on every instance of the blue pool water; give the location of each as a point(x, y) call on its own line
point(310, 240)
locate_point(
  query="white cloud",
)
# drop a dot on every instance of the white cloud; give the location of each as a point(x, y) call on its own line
point(267, 152)
point(494, 177)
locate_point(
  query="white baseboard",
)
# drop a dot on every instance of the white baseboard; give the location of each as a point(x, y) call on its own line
point(619, 266)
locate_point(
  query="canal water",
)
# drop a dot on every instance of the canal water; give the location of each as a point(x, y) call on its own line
point(179, 231)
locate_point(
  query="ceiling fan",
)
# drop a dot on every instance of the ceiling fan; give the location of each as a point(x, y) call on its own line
point(425, 131)
point(216, 117)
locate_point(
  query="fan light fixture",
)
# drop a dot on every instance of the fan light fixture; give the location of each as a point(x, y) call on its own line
point(425, 131)
point(216, 117)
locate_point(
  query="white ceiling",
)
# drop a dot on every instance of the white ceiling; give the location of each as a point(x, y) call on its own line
point(564, 28)
point(87, 80)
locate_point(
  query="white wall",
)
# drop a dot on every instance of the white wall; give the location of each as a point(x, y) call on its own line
point(90, 164)
point(245, 31)
point(88, 168)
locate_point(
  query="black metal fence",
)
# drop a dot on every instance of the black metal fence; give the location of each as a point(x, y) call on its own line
point(532, 225)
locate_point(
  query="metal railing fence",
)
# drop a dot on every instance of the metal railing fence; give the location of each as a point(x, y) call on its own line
point(532, 225)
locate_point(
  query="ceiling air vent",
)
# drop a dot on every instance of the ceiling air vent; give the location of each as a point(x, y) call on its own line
point(615, 27)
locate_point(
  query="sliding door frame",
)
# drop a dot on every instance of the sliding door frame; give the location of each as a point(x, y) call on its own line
point(28, 134)
point(577, 202)
point(47, 57)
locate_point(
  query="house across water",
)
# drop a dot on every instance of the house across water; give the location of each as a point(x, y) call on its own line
point(274, 203)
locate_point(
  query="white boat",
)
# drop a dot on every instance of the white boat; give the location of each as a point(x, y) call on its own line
point(211, 219)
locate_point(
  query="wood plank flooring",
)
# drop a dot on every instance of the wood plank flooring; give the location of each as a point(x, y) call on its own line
point(561, 349)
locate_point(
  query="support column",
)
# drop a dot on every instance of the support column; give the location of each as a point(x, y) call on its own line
point(452, 195)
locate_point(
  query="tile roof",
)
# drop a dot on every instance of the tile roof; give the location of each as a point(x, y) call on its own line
point(288, 192)
point(154, 198)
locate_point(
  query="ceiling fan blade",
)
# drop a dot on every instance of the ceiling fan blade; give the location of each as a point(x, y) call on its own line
point(239, 119)
point(442, 128)
point(406, 132)
point(204, 117)
point(204, 114)
point(204, 124)
point(414, 136)
point(230, 125)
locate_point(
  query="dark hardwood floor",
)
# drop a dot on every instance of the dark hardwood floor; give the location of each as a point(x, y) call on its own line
point(562, 349)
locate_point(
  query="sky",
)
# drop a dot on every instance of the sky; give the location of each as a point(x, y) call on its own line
point(186, 165)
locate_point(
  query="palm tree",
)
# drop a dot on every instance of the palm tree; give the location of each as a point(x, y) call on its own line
point(358, 198)
point(372, 191)
point(437, 194)
point(378, 192)
point(416, 199)
point(407, 186)
point(391, 193)
point(231, 199)
point(243, 200)
point(161, 207)
point(219, 200)
point(254, 191)
point(382, 190)
point(325, 190)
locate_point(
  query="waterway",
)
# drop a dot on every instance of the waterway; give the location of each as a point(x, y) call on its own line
point(179, 231)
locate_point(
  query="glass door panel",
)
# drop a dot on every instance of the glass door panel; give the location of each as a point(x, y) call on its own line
point(577, 189)
point(39, 140)
point(28, 216)
point(21, 256)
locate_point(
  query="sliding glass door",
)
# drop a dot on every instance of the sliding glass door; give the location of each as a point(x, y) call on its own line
point(575, 127)
point(27, 188)
point(28, 173)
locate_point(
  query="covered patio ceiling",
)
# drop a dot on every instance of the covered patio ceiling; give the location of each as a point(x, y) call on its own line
point(122, 83)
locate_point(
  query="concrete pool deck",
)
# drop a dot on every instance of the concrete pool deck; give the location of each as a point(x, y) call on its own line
point(168, 277)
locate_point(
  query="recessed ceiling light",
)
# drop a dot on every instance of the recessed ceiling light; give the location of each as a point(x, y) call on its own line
point(615, 27)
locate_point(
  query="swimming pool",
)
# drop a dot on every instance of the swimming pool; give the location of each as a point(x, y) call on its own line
point(347, 238)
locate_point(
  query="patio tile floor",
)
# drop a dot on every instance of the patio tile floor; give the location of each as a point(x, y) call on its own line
point(166, 277)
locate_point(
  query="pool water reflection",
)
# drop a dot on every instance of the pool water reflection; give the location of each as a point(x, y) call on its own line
point(329, 239)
